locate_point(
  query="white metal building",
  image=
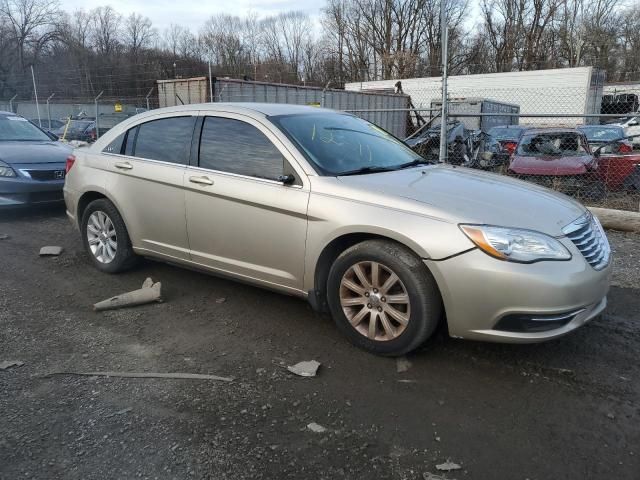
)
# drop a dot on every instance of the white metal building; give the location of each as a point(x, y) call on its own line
point(575, 91)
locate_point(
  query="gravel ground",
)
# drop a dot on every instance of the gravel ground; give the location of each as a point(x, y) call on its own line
point(626, 258)
point(565, 409)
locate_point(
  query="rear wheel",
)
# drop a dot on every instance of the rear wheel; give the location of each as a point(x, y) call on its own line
point(105, 237)
point(383, 298)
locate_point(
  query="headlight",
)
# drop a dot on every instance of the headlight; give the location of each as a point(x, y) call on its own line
point(514, 244)
point(6, 170)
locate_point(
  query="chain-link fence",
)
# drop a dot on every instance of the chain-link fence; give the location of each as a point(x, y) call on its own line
point(562, 129)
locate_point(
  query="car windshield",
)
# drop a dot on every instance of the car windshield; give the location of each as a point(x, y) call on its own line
point(342, 144)
point(504, 133)
point(18, 129)
point(557, 144)
point(602, 134)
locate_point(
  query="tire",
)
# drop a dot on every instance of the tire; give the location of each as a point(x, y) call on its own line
point(422, 314)
point(106, 221)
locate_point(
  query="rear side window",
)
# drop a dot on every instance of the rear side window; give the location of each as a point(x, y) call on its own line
point(167, 139)
point(233, 146)
point(116, 145)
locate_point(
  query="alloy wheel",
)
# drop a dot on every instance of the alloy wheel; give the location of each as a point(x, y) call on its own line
point(375, 301)
point(101, 234)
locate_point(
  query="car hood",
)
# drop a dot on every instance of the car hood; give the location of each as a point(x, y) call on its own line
point(462, 195)
point(550, 165)
point(21, 153)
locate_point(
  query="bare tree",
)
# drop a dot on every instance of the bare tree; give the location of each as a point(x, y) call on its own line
point(138, 33)
point(32, 25)
point(106, 30)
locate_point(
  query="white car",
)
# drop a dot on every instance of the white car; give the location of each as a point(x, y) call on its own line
point(631, 126)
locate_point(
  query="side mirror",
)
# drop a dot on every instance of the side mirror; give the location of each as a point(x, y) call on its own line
point(597, 152)
point(286, 179)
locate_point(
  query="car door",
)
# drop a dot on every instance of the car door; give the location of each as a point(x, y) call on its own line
point(240, 218)
point(147, 183)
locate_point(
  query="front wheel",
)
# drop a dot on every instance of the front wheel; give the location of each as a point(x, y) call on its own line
point(105, 237)
point(383, 297)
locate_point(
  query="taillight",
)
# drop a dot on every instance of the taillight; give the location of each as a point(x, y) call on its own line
point(624, 148)
point(71, 159)
point(509, 147)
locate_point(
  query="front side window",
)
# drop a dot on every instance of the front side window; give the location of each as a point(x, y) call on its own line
point(167, 139)
point(339, 144)
point(233, 146)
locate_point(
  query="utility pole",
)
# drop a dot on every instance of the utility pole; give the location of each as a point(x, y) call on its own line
point(444, 30)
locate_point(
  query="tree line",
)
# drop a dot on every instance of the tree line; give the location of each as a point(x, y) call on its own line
point(78, 54)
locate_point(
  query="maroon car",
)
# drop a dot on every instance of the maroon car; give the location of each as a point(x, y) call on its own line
point(558, 158)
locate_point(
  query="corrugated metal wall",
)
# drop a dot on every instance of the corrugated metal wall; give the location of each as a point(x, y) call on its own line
point(229, 90)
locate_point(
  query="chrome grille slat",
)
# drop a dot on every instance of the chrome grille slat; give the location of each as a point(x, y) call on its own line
point(589, 238)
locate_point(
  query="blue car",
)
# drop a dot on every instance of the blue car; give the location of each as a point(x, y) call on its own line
point(32, 164)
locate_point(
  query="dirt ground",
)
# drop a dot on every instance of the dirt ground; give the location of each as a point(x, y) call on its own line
point(568, 409)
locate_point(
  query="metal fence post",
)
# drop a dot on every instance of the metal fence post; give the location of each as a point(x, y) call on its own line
point(11, 102)
point(48, 110)
point(147, 97)
point(443, 121)
point(97, 115)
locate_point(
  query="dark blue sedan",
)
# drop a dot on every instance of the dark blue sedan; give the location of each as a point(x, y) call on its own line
point(32, 164)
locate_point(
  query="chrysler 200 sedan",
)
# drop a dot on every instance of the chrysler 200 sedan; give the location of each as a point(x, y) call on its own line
point(326, 206)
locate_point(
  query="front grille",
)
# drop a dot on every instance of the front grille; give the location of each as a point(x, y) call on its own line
point(588, 236)
point(46, 175)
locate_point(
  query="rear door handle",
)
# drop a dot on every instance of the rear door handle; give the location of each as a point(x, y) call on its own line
point(124, 165)
point(201, 180)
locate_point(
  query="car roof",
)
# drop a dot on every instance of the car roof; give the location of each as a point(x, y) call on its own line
point(266, 109)
point(6, 114)
point(535, 130)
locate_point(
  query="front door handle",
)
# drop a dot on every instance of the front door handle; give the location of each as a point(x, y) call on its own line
point(124, 165)
point(201, 180)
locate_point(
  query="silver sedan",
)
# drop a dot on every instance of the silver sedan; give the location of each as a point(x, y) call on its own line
point(328, 207)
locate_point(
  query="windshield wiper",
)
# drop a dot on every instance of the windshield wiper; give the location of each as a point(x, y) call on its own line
point(415, 163)
point(359, 171)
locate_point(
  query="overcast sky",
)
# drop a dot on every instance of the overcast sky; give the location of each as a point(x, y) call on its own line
point(193, 13)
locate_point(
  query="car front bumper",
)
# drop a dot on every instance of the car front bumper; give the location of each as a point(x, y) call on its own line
point(23, 190)
point(493, 300)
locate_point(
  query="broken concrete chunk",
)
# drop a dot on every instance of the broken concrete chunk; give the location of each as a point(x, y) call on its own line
point(50, 251)
point(10, 363)
point(402, 364)
point(150, 292)
point(448, 466)
point(317, 428)
point(305, 369)
point(3, 236)
point(221, 300)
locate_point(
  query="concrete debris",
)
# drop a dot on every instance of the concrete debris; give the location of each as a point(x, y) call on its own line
point(314, 427)
point(179, 376)
point(221, 300)
point(120, 412)
point(402, 364)
point(305, 369)
point(150, 292)
point(4, 236)
point(50, 251)
point(433, 476)
point(10, 363)
point(448, 466)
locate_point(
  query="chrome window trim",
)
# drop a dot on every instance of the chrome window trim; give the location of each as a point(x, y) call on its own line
point(242, 177)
